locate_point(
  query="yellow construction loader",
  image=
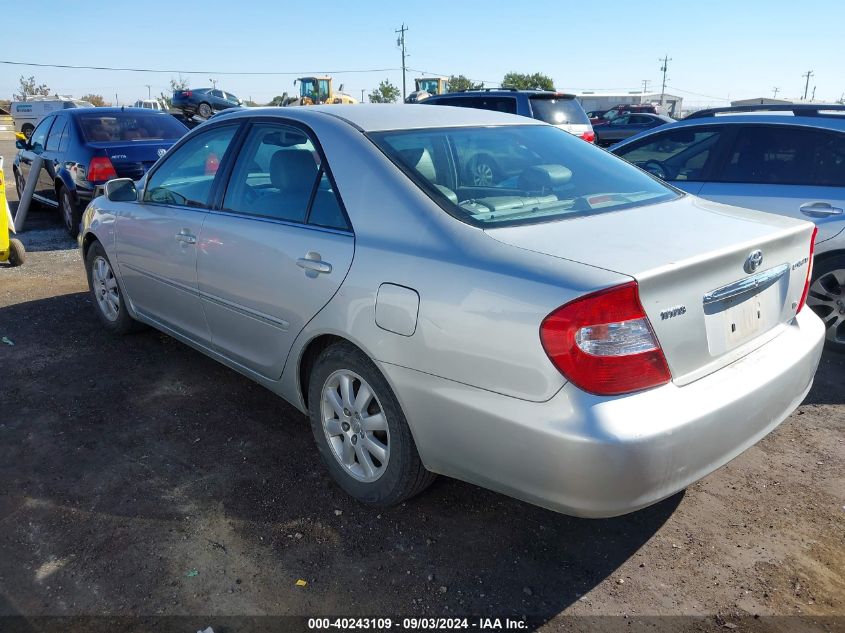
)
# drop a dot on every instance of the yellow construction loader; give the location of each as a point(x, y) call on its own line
point(318, 91)
point(427, 86)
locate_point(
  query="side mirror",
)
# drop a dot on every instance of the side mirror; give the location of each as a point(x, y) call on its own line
point(121, 190)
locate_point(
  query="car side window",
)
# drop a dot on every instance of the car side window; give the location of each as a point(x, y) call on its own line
point(829, 162)
point(38, 140)
point(278, 175)
point(679, 154)
point(770, 155)
point(185, 177)
point(56, 133)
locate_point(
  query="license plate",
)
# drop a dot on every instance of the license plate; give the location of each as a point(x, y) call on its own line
point(741, 321)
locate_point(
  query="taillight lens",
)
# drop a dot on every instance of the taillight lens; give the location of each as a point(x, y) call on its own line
point(603, 343)
point(186, 93)
point(100, 168)
point(590, 136)
point(803, 301)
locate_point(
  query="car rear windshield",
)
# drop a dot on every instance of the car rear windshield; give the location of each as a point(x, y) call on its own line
point(130, 126)
point(559, 111)
point(505, 175)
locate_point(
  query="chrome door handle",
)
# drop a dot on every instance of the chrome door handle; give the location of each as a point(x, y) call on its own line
point(186, 238)
point(819, 209)
point(313, 265)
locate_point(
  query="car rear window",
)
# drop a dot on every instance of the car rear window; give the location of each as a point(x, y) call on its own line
point(129, 126)
point(506, 175)
point(558, 111)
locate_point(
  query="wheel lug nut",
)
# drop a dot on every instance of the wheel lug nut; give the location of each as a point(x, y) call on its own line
point(354, 439)
point(346, 412)
point(345, 426)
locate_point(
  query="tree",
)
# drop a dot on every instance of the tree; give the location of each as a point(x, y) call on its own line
point(537, 81)
point(279, 100)
point(385, 93)
point(28, 88)
point(175, 84)
point(460, 84)
point(96, 100)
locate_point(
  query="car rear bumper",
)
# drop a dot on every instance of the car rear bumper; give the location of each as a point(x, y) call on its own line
point(598, 457)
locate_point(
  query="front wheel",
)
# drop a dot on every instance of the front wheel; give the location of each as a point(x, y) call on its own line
point(71, 213)
point(360, 430)
point(17, 253)
point(204, 110)
point(483, 171)
point(826, 298)
point(106, 292)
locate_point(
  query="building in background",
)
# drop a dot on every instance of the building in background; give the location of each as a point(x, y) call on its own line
point(595, 100)
point(760, 101)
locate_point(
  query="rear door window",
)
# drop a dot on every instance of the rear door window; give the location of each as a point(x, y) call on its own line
point(56, 133)
point(39, 134)
point(829, 160)
point(772, 155)
point(558, 111)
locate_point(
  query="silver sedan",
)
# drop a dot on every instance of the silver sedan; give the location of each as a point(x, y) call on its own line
point(577, 335)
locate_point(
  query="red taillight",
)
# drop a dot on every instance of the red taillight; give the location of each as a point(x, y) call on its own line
point(590, 136)
point(186, 93)
point(211, 164)
point(809, 270)
point(100, 168)
point(604, 344)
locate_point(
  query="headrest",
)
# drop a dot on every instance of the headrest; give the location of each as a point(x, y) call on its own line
point(419, 159)
point(544, 177)
point(293, 170)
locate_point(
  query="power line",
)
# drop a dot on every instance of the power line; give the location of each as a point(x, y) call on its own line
point(197, 72)
point(697, 94)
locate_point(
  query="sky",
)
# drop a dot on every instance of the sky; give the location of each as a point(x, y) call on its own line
point(719, 50)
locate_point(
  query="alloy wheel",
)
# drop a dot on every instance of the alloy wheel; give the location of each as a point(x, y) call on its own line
point(826, 298)
point(355, 425)
point(482, 174)
point(67, 210)
point(105, 288)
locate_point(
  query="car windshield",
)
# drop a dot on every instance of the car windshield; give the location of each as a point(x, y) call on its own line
point(558, 111)
point(517, 174)
point(130, 126)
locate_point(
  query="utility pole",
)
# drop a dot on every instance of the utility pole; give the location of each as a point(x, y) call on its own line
point(116, 102)
point(362, 95)
point(813, 98)
point(775, 90)
point(808, 74)
point(666, 59)
point(646, 82)
point(400, 41)
point(149, 92)
point(213, 83)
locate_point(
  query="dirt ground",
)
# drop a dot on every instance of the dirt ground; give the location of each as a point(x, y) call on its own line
point(138, 477)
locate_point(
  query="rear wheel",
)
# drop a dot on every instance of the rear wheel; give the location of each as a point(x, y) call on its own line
point(826, 298)
point(360, 430)
point(483, 171)
point(17, 253)
point(70, 211)
point(204, 110)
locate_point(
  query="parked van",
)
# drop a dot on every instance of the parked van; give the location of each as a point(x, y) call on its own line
point(27, 114)
point(150, 104)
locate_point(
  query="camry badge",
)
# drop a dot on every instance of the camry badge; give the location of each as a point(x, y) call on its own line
point(754, 261)
point(161, 152)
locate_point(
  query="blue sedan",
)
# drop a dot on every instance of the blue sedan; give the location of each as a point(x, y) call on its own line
point(82, 149)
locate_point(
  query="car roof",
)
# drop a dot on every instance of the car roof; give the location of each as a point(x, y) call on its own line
point(110, 110)
point(378, 117)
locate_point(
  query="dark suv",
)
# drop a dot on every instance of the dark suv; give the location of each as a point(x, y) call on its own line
point(559, 109)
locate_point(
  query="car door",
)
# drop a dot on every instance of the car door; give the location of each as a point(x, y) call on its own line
point(52, 158)
point(682, 156)
point(218, 101)
point(276, 250)
point(44, 191)
point(156, 238)
point(791, 170)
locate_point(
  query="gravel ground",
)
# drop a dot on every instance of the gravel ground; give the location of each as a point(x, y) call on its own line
point(138, 477)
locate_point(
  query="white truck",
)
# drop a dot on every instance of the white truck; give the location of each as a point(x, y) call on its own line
point(28, 113)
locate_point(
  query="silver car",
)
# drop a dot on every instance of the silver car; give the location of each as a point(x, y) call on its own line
point(580, 336)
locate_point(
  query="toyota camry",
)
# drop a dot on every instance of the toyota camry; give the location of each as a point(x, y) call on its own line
point(578, 335)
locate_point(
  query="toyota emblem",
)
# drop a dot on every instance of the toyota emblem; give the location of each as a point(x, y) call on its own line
point(754, 261)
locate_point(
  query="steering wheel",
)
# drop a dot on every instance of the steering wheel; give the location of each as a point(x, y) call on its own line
point(656, 168)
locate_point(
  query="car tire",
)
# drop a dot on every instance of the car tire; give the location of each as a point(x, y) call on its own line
point(27, 130)
point(106, 293)
point(365, 442)
point(483, 171)
point(17, 253)
point(70, 211)
point(826, 298)
point(204, 110)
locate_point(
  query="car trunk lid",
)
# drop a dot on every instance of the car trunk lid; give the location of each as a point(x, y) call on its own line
point(132, 159)
point(707, 301)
